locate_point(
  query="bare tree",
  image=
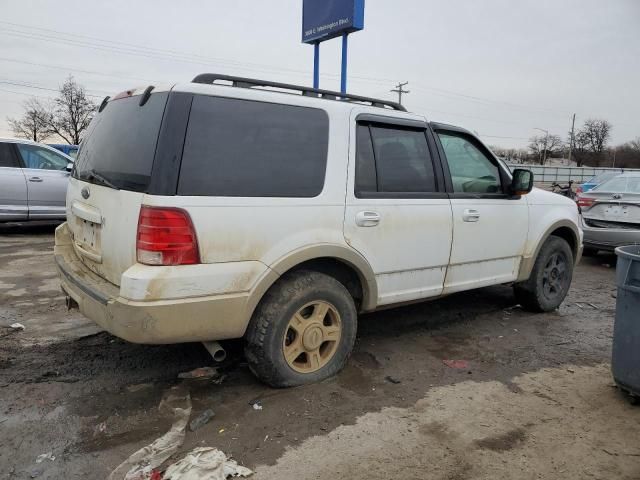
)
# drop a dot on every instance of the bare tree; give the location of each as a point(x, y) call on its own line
point(71, 112)
point(34, 123)
point(552, 144)
point(580, 148)
point(635, 144)
point(590, 142)
point(597, 133)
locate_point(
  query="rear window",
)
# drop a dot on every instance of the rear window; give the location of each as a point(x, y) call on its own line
point(120, 143)
point(241, 148)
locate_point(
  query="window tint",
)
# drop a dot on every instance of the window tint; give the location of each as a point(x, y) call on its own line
point(241, 148)
point(365, 162)
point(7, 158)
point(41, 158)
point(121, 141)
point(402, 160)
point(471, 170)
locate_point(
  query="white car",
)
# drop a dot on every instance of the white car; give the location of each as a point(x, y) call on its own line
point(33, 181)
point(230, 207)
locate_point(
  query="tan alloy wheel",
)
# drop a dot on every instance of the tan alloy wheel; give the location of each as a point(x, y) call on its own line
point(312, 337)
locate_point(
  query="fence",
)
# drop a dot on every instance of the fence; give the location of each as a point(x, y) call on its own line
point(547, 174)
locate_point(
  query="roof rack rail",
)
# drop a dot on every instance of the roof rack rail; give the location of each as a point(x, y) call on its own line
point(212, 78)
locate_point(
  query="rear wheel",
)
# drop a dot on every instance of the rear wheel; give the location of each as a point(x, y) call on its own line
point(550, 278)
point(303, 330)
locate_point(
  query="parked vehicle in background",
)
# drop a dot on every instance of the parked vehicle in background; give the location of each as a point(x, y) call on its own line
point(232, 207)
point(611, 213)
point(595, 181)
point(33, 181)
point(564, 190)
point(71, 150)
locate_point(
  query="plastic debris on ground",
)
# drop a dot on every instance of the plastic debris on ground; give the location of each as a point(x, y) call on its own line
point(141, 464)
point(202, 372)
point(45, 456)
point(460, 364)
point(257, 405)
point(17, 326)
point(201, 420)
point(205, 463)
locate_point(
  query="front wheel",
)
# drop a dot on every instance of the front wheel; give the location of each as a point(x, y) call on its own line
point(302, 331)
point(550, 278)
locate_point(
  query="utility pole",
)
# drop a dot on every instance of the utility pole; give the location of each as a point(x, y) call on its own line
point(400, 91)
point(573, 124)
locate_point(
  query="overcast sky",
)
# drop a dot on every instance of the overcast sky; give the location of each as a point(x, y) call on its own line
point(498, 67)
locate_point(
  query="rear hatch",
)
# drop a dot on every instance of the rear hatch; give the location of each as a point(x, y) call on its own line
point(110, 178)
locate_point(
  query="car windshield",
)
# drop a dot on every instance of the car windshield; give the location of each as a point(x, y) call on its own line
point(603, 177)
point(620, 184)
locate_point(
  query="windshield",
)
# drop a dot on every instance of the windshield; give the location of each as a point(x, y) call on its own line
point(120, 144)
point(603, 177)
point(620, 185)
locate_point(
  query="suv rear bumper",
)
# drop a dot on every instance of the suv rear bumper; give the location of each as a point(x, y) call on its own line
point(204, 318)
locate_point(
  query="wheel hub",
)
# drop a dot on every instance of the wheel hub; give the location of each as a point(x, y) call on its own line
point(312, 337)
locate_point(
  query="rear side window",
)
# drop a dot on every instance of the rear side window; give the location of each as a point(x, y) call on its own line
point(393, 160)
point(240, 148)
point(120, 144)
point(7, 157)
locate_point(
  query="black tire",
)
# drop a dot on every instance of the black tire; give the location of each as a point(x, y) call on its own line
point(264, 348)
point(545, 289)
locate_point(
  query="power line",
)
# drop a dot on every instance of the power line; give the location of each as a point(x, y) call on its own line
point(39, 87)
point(72, 69)
point(156, 53)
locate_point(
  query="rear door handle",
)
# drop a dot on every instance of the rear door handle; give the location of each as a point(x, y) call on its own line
point(35, 179)
point(367, 219)
point(470, 215)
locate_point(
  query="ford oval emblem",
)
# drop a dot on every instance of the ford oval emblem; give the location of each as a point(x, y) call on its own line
point(85, 192)
point(616, 196)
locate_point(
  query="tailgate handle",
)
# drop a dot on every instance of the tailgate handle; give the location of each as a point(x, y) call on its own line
point(35, 179)
point(86, 212)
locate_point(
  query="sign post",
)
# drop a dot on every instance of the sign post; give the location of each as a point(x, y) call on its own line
point(326, 19)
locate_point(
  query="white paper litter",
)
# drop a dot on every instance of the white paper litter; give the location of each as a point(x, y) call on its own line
point(17, 326)
point(139, 465)
point(45, 456)
point(205, 463)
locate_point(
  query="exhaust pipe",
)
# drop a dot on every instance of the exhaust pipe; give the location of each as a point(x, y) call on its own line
point(218, 353)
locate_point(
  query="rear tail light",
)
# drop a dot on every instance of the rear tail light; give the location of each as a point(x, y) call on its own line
point(586, 202)
point(166, 237)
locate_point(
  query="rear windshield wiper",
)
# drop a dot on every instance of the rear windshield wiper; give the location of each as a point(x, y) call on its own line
point(92, 175)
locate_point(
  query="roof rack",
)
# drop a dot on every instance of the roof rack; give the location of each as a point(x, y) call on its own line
point(212, 78)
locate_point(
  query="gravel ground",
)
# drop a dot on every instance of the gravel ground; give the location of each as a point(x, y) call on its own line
point(534, 400)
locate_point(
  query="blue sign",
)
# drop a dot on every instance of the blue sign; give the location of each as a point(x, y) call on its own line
point(325, 19)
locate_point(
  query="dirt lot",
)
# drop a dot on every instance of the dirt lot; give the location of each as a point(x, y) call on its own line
point(535, 400)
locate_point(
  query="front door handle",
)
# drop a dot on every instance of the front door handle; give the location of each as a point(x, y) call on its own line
point(35, 179)
point(367, 219)
point(470, 215)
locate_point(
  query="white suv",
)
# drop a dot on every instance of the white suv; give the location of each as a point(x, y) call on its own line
point(229, 207)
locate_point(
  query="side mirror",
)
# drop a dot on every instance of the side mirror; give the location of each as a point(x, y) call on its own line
point(69, 167)
point(522, 181)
